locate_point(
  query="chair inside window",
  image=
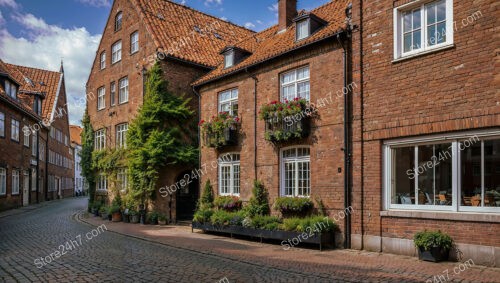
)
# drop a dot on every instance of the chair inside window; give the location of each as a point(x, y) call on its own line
point(405, 200)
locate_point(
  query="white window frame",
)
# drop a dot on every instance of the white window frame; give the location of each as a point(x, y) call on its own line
point(26, 140)
point(103, 60)
point(3, 181)
point(121, 135)
point(231, 101)
point(33, 180)
point(100, 139)
point(14, 130)
point(116, 52)
point(122, 179)
point(307, 23)
point(398, 18)
point(134, 42)
point(34, 147)
point(101, 98)
point(229, 59)
point(2, 124)
point(232, 162)
point(123, 90)
point(102, 182)
point(296, 160)
point(112, 93)
point(118, 21)
point(15, 182)
point(11, 89)
point(454, 139)
point(295, 82)
point(42, 152)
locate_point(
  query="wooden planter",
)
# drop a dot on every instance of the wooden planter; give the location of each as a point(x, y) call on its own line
point(326, 239)
point(229, 137)
point(435, 254)
point(116, 217)
point(104, 216)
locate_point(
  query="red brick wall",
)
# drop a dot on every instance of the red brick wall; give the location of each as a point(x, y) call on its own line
point(450, 90)
point(325, 142)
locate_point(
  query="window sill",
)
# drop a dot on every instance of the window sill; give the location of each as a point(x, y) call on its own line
point(429, 51)
point(454, 216)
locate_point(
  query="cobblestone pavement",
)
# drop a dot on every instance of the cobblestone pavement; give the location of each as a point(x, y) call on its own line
point(106, 256)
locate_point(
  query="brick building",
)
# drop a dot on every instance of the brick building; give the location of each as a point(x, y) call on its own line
point(427, 147)
point(76, 146)
point(138, 33)
point(301, 57)
point(31, 99)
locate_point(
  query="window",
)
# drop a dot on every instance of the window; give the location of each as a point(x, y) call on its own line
point(102, 182)
point(118, 21)
point(229, 174)
point(459, 174)
point(66, 141)
point(14, 132)
point(34, 144)
point(229, 59)
point(122, 180)
point(2, 124)
point(423, 26)
point(42, 152)
point(33, 180)
point(113, 93)
point(100, 139)
point(123, 92)
point(296, 172)
point(116, 52)
point(303, 29)
point(11, 89)
point(101, 102)
point(121, 135)
point(37, 105)
point(53, 132)
point(59, 136)
point(15, 182)
point(3, 181)
point(228, 102)
point(295, 84)
point(134, 42)
point(103, 60)
point(26, 140)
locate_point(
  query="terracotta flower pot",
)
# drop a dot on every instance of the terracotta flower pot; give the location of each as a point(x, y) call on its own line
point(116, 217)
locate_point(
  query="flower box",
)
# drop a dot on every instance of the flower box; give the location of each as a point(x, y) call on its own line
point(324, 239)
point(435, 254)
point(228, 137)
point(221, 130)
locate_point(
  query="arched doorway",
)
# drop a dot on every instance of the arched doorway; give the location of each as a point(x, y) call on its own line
point(187, 196)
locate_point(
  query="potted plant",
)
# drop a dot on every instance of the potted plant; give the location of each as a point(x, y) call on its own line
point(116, 215)
point(227, 203)
point(134, 216)
point(152, 218)
point(162, 219)
point(221, 130)
point(95, 207)
point(293, 206)
point(433, 246)
point(103, 211)
point(125, 215)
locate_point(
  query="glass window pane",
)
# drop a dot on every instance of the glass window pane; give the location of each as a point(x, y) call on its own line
point(404, 176)
point(407, 19)
point(471, 174)
point(441, 33)
point(441, 11)
point(407, 42)
point(431, 14)
point(416, 19)
point(416, 40)
point(431, 35)
point(303, 90)
point(492, 173)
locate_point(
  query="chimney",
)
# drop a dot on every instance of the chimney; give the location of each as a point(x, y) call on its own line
point(287, 10)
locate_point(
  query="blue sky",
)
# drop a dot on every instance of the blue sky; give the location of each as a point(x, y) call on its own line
point(40, 33)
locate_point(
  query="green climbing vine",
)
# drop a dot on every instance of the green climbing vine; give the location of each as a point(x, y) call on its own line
point(88, 172)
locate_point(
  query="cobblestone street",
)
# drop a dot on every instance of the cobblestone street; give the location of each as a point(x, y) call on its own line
point(111, 257)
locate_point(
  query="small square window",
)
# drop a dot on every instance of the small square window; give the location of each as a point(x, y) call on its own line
point(303, 29)
point(134, 42)
point(229, 59)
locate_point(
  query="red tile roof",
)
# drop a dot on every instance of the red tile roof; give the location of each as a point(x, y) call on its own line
point(187, 34)
point(75, 133)
point(269, 43)
point(37, 81)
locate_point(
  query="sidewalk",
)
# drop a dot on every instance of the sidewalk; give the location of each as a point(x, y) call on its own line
point(342, 263)
point(23, 209)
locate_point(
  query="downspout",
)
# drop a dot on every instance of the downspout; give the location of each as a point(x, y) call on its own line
point(199, 137)
point(47, 168)
point(256, 81)
point(37, 167)
point(347, 152)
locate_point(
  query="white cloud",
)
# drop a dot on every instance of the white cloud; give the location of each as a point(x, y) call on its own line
point(182, 2)
point(46, 46)
point(223, 18)
point(9, 3)
point(2, 20)
point(273, 8)
point(259, 22)
point(95, 3)
point(249, 25)
point(215, 2)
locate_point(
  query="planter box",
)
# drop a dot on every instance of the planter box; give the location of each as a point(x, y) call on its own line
point(436, 254)
point(326, 239)
point(104, 216)
point(289, 126)
point(229, 137)
point(134, 219)
point(116, 217)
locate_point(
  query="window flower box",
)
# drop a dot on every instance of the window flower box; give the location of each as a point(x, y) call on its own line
point(221, 131)
point(287, 120)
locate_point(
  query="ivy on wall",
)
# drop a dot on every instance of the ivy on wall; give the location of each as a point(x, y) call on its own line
point(88, 172)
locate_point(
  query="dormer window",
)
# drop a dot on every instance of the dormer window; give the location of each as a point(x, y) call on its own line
point(229, 59)
point(303, 29)
point(37, 105)
point(11, 89)
point(118, 21)
point(306, 25)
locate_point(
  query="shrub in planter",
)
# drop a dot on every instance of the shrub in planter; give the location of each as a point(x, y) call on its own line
point(266, 222)
point(221, 218)
point(228, 203)
point(203, 215)
point(207, 197)
point(134, 216)
point(314, 223)
point(152, 218)
point(162, 219)
point(114, 211)
point(214, 131)
point(433, 246)
point(96, 205)
point(259, 203)
point(293, 206)
point(103, 211)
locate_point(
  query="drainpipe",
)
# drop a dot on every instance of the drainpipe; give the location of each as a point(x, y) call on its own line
point(47, 167)
point(199, 117)
point(37, 167)
point(347, 151)
point(256, 81)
